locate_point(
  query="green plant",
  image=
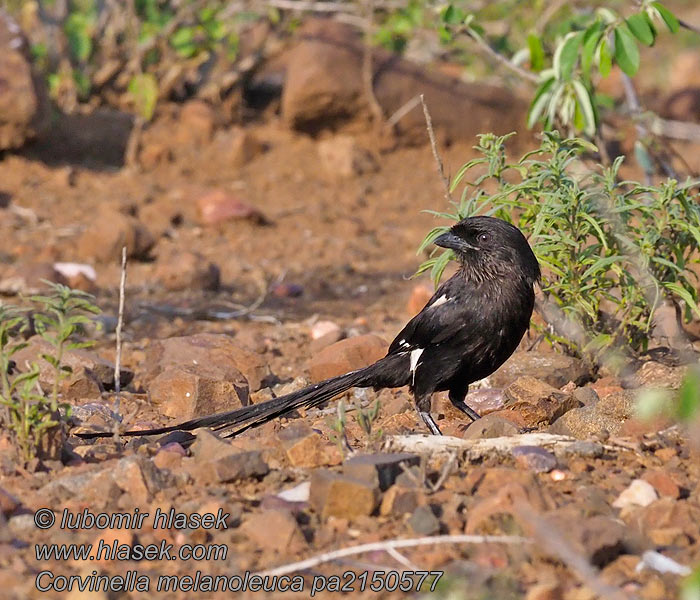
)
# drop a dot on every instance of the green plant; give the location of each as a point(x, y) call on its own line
point(610, 249)
point(366, 419)
point(29, 414)
point(338, 426)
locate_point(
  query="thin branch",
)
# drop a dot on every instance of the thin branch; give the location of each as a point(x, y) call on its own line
point(367, 65)
point(498, 57)
point(393, 544)
point(433, 146)
point(118, 360)
point(402, 111)
point(688, 26)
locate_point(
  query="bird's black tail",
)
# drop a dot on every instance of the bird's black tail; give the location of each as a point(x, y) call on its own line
point(251, 416)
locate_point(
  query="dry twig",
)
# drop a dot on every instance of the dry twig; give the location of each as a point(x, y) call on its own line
point(392, 544)
point(433, 146)
point(118, 360)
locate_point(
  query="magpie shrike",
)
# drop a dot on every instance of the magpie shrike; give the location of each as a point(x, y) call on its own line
point(471, 325)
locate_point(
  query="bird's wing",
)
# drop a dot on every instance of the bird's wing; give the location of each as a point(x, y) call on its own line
point(448, 314)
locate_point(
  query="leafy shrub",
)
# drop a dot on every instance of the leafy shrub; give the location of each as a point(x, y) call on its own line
point(29, 413)
point(611, 250)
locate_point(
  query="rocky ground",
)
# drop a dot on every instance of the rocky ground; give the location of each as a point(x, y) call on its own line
point(273, 252)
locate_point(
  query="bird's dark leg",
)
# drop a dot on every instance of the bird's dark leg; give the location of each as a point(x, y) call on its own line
point(423, 408)
point(457, 396)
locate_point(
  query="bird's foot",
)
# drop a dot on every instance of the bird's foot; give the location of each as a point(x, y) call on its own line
point(430, 422)
point(467, 410)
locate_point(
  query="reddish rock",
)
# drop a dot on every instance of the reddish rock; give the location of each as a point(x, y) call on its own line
point(380, 469)
point(333, 495)
point(663, 483)
point(537, 402)
point(138, 477)
point(491, 426)
point(233, 467)
point(555, 369)
point(399, 500)
point(420, 294)
point(216, 356)
point(8, 503)
point(78, 276)
point(324, 333)
point(219, 206)
point(111, 230)
point(191, 391)
point(342, 156)
point(179, 270)
point(28, 277)
point(534, 458)
point(244, 147)
point(23, 105)
point(305, 448)
point(194, 127)
point(169, 456)
point(347, 355)
point(275, 530)
point(82, 384)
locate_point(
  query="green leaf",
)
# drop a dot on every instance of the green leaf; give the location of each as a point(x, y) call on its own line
point(689, 396)
point(566, 54)
point(585, 103)
point(536, 52)
point(604, 58)
point(143, 89)
point(591, 38)
point(668, 17)
point(626, 51)
point(641, 28)
point(539, 102)
point(77, 29)
point(682, 293)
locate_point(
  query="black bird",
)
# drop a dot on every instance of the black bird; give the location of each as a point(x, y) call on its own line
point(471, 325)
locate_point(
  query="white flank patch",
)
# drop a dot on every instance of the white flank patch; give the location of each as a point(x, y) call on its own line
point(441, 300)
point(415, 356)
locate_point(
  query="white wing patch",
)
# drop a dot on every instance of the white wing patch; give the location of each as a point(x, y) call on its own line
point(441, 300)
point(415, 357)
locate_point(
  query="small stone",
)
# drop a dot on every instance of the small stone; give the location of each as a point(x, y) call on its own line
point(538, 402)
point(288, 290)
point(244, 147)
point(420, 295)
point(380, 469)
point(233, 467)
point(29, 278)
point(8, 503)
point(638, 493)
point(662, 482)
point(138, 477)
point(209, 447)
point(324, 333)
point(666, 454)
point(78, 275)
point(399, 500)
point(275, 530)
point(169, 456)
point(490, 426)
point(583, 448)
point(342, 156)
point(347, 355)
point(181, 270)
point(334, 495)
point(219, 206)
point(303, 446)
point(81, 385)
point(424, 522)
point(534, 458)
point(111, 230)
point(545, 591)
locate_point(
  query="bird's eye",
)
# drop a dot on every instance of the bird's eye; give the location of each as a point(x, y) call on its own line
point(483, 238)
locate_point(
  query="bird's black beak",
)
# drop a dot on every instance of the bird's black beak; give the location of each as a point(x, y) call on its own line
point(454, 242)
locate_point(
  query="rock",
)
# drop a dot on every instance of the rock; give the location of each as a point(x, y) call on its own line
point(78, 275)
point(275, 530)
point(244, 147)
point(189, 391)
point(324, 87)
point(28, 278)
point(586, 395)
point(233, 467)
point(194, 127)
point(169, 456)
point(78, 360)
point(583, 448)
point(420, 295)
point(305, 448)
point(324, 333)
point(219, 206)
point(341, 496)
point(399, 500)
point(23, 101)
point(346, 355)
point(288, 290)
point(139, 477)
point(662, 482)
point(537, 402)
point(380, 469)
point(341, 156)
point(545, 591)
point(82, 384)
point(638, 493)
point(534, 458)
point(424, 522)
point(8, 503)
point(186, 270)
point(555, 369)
point(209, 447)
point(490, 426)
point(609, 415)
point(214, 355)
point(659, 375)
point(111, 230)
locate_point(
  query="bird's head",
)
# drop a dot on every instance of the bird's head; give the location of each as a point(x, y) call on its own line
point(489, 249)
